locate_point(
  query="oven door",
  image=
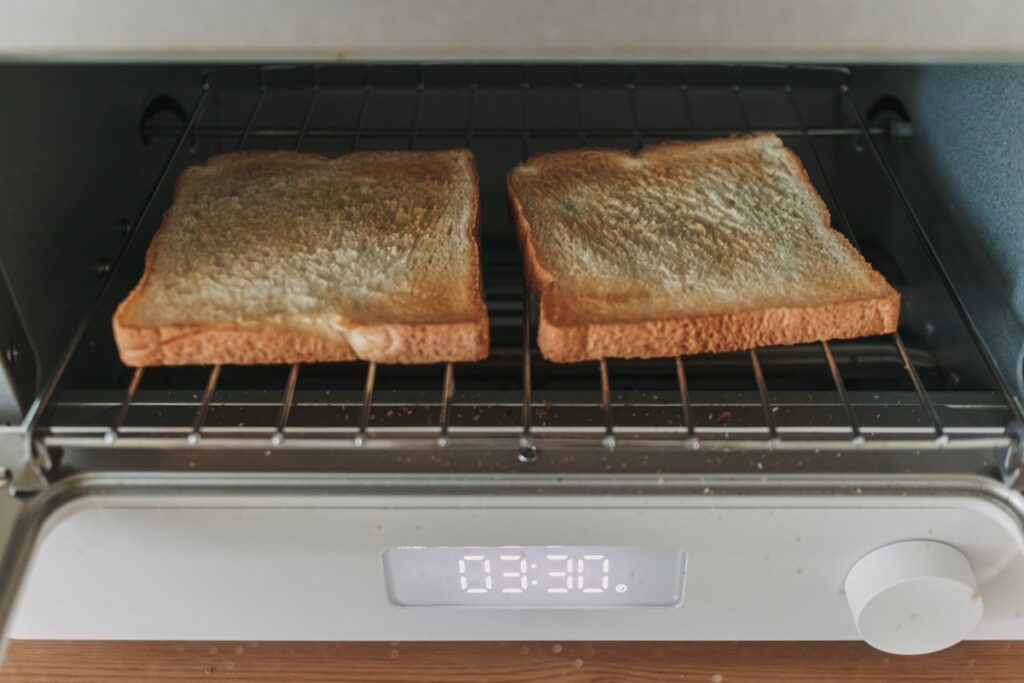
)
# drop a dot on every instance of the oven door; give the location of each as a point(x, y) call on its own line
point(439, 558)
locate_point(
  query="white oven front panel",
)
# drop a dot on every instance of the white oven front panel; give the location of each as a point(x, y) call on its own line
point(753, 568)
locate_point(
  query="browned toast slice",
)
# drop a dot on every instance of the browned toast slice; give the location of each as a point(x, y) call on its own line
point(284, 257)
point(685, 248)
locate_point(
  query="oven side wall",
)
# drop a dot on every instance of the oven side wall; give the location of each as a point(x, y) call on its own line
point(75, 172)
point(962, 170)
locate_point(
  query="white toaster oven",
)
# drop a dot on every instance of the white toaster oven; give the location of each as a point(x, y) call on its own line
point(859, 489)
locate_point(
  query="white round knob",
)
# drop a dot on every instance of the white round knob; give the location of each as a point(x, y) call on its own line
point(914, 597)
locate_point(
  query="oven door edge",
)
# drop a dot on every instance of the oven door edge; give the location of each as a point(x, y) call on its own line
point(33, 518)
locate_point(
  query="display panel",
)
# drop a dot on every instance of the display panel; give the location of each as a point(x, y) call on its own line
point(535, 576)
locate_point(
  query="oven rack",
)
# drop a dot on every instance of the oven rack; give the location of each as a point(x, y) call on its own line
point(917, 421)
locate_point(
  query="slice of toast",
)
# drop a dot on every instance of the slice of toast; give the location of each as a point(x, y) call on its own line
point(285, 257)
point(686, 248)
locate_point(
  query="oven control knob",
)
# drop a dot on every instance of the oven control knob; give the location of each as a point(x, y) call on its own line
point(914, 597)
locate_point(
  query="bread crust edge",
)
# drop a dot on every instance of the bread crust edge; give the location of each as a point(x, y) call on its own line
point(712, 333)
point(263, 344)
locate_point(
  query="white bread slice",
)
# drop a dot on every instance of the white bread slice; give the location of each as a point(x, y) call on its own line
point(286, 257)
point(687, 247)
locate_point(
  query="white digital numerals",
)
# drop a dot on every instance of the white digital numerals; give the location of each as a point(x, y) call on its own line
point(560, 561)
point(595, 568)
point(475, 574)
point(513, 573)
point(510, 574)
point(590, 575)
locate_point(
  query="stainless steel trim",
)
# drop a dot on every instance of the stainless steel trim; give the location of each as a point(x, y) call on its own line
point(193, 30)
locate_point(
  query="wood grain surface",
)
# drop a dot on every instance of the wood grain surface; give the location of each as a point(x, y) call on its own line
point(568, 662)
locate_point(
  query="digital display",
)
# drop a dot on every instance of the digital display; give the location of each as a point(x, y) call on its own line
point(535, 576)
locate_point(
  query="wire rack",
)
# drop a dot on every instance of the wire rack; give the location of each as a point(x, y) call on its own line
point(795, 408)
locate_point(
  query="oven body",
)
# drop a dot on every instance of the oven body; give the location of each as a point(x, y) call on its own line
point(260, 503)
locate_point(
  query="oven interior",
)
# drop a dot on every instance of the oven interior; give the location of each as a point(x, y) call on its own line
point(96, 150)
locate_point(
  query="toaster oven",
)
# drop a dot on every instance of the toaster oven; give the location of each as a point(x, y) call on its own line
point(853, 489)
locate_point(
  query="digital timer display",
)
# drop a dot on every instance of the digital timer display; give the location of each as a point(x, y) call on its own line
point(535, 576)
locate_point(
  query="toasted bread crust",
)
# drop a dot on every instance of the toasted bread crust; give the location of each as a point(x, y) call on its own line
point(563, 339)
point(257, 344)
point(213, 344)
point(268, 343)
point(713, 333)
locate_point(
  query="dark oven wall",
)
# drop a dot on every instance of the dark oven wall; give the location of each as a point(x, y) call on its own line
point(74, 174)
point(963, 168)
point(77, 169)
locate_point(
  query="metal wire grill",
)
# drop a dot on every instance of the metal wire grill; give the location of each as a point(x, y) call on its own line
point(867, 396)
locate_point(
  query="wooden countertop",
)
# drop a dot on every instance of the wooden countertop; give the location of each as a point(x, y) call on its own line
point(514, 662)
